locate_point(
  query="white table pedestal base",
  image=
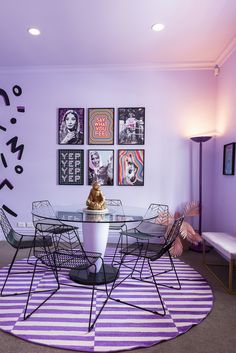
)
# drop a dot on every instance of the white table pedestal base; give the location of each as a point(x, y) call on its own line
point(95, 236)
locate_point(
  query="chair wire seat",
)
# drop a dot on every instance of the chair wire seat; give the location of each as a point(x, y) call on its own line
point(71, 259)
point(154, 224)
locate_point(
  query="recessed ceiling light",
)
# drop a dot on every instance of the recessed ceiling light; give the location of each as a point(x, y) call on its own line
point(157, 27)
point(34, 31)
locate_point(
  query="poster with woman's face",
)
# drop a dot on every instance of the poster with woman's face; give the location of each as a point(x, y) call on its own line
point(71, 126)
point(131, 167)
point(131, 126)
point(101, 167)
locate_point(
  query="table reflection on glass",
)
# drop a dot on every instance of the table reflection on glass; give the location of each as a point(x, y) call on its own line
point(95, 229)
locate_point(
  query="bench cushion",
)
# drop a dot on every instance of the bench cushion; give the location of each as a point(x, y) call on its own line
point(224, 243)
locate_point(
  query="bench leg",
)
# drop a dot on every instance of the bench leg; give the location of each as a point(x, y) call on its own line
point(204, 251)
point(230, 270)
point(231, 267)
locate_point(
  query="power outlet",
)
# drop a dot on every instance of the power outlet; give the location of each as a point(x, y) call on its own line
point(29, 225)
point(21, 224)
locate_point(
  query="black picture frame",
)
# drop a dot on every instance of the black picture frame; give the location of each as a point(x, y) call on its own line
point(101, 126)
point(73, 135)
point(229, 159)
point(131, 167)
point(101, 166)
point(70, 167)
point(131, 126)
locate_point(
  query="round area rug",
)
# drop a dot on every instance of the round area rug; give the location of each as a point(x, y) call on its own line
point(62, 321)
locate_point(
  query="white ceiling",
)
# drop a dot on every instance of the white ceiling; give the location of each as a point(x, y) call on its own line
point(112, 33)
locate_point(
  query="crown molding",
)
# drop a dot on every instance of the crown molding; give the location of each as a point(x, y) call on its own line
point(110, 68)
point(226, 52)
point(165, 66)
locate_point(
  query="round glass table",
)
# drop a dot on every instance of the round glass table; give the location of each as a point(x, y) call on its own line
point(95, 229)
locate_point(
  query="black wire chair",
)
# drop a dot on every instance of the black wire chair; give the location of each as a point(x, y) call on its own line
point(115, 206)
point(18, 242)
point(42, 210)
point(66, 252)
point(139, 251)
point(153, 228)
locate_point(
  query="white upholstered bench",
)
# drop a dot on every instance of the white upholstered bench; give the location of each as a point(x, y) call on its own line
point(225, 245)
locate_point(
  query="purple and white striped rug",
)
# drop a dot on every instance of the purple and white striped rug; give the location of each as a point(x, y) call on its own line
point(62, 321)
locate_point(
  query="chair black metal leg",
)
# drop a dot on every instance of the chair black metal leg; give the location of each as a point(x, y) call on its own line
point(30, 292)
point(91, 326)
point(119, 243)
point(30, 289)
point(28, 258)
point(176, 274)
point(143, 263)
point(158, 292)
point(114, 285)
point(135, 265)
point(8, 273)
point(146, 278)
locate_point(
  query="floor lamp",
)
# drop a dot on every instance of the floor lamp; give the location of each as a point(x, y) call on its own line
point(200, 140)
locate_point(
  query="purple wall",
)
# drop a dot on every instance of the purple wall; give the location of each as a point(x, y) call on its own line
point(178, 104)
point(224, 197)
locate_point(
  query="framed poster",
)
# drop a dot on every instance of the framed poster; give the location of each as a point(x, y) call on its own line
point(229, 158)
point(71, 126)
point(71, 167)
point(131, 126)
point(101, 126)
point(131, 167)
point(101, 167)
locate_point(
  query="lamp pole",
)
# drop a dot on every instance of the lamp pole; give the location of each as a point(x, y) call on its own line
point(200, 140)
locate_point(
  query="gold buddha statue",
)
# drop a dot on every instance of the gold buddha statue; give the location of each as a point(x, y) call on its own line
point(96, 199)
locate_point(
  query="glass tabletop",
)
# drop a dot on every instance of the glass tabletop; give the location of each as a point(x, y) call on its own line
point(79, 213)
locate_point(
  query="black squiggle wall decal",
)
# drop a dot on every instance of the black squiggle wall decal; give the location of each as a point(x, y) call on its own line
point(8, 210)
point(7, 183)
point(5, 96)
point(3, 128)
point(3, 159)
point(21, 109)
point(17, 90)
point(12, 143)
point(14, 148)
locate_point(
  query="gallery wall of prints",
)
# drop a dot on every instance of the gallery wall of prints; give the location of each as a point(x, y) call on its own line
point(105, 127)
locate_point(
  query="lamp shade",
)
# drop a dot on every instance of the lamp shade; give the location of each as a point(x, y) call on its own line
point(201, 138)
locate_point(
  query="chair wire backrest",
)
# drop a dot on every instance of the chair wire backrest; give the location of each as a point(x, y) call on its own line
point(155, 219)
point(43, 209)
point(11, 236)
point(170, 237)
point(116, 207)
point(5, 224)
point(174, 230)
point(157, 210)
